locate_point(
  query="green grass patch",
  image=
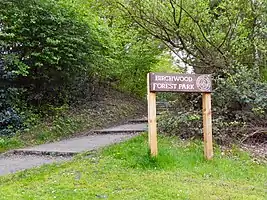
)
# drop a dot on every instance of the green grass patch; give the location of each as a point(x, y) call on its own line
point(126, 171)
point(9, 143)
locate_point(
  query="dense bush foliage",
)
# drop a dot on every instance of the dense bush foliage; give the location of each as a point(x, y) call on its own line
point(9, 118)
point(55, 53)
point(43, 47)
point(239, 105)
point(46, 46)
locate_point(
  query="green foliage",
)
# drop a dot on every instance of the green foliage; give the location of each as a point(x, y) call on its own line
point(240, 103)
point(46, 46)
point(183, 123)
point(220, 38)
point(136, 61)
point(9, 143)
point(206, 35)
point(133, 53)
point(239, 110)
point(52, 53)
point(63, 52)
point(30, 38)
point(246, 90)
point(9, 117)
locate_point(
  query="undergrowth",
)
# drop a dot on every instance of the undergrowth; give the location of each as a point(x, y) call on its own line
point(77, 120)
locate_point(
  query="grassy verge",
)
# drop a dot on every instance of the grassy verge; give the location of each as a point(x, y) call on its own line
point(76, 120)
point(125, 171)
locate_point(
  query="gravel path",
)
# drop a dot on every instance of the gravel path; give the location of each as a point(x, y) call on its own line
point(14, 163)
point(26, 158)
point(76, 145)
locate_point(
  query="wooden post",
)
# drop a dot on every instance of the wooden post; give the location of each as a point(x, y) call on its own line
point(207, 125)
point(152, 124)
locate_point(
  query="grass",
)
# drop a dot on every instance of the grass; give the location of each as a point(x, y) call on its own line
point(7, 143)
point(126, 171)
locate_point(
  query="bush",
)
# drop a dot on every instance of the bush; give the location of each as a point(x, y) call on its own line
point(239, 105)
point(10, 120)
point(46, 46)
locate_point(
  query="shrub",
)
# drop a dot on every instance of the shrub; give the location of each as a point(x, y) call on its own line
point(10, 120)
point(43, 48)
point(239, 105)
point(46, 46)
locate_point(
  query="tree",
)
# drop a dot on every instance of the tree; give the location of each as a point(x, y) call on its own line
point(210, 35)
point(129, 51)
point(222, 37)
point(46, 46)
point(44, 49)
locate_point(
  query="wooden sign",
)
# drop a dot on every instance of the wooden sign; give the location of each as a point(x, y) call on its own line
point(164, 82)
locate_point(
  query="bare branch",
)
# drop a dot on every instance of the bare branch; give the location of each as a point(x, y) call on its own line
point(201, 31)
point(177, 23)
point(160, 29)
point(227, 34)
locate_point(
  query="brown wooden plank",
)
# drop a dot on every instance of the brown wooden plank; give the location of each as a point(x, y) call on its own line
point(152, 124)
point(207, 125)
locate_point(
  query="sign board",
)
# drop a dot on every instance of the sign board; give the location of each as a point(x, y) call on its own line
point(163, 82)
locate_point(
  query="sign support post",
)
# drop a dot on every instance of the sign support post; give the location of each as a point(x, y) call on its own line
point(152, 124)
point(207, 125)
point(165, 82)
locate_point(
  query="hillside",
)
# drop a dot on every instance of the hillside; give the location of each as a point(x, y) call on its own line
point(109, 108)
